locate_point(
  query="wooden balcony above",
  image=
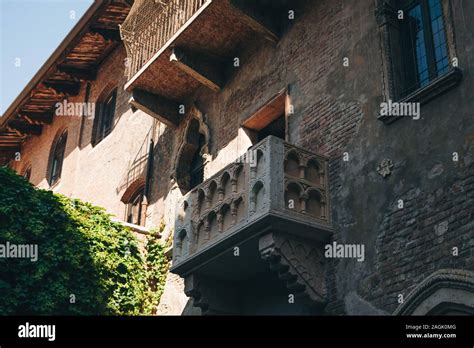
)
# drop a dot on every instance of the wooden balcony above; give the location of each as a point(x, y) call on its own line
point(77, 59)
point(176, 46)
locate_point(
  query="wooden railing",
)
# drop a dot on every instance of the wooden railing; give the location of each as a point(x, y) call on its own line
point(150, 25)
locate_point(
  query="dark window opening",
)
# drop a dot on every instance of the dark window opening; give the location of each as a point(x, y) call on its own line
point(135, 208)
point(104, 118)
point(276, 128)
point(190, 162)
point(27, 174)
point(269, 119)
point(197, 165)
point(425, 50)
point(57, 158)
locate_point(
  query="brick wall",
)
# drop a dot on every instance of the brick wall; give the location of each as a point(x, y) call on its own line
point(336, 110)
point(419, 239)
point(99, 174)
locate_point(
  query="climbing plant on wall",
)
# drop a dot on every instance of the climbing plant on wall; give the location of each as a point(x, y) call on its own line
point(85, 264)
point(157, 266)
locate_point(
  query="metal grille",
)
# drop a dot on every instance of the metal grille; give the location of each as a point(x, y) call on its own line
point(150, 24)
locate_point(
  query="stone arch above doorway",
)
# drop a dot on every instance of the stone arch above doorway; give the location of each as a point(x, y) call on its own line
point(445, 292)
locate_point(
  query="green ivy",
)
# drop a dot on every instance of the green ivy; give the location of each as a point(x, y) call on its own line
point(157, 266)
point(87, 264)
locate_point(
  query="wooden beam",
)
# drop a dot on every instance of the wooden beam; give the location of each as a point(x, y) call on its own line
point(9, 152)
point(202, 68)
point(15, 131)
point(8, 135)
point(250, 16)
point(25, 128)
point(107, 34)
point(4, 144)
point(163, 109)
point(38, 117)
point(10, 139)
point(29, 120)
point(80, 73)
point(65, 87)
point(268, 113)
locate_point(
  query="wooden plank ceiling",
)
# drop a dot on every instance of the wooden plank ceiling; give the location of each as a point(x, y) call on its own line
point(78, 62)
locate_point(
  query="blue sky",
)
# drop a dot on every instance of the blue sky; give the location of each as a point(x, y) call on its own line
point(31, 30)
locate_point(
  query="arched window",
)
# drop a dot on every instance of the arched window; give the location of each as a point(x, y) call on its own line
point(104, 117)
point(190, 161)
point(136, 208)
point(56, 159)
point(27, 173)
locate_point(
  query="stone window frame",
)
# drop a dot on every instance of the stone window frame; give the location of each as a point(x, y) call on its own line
point(130, 194)
point(99, 117)
point(392, 70)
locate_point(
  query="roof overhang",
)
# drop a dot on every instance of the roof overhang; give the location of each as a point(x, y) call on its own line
point(75, 60)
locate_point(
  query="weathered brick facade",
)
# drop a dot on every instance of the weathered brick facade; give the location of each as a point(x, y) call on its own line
point(335, 113)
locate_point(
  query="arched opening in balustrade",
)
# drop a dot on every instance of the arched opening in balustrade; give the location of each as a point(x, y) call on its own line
point(293, 192)
point(201, 201)
point(238, 178)
point(292, 164)
point(258, 193)
point(212, 193)
point(213, 226)
point(239, 209)
point(260, 159)
point(201, 233)
point(225, 185)
point(226, 217)
point(313, 203)
point(313, 172)
point(182, 243)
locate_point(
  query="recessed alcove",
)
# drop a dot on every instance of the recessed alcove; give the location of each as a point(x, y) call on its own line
point(292, 164)
point(312, 172)
point(292, 196)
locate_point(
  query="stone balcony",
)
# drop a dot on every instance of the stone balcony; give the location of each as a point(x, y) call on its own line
point(274, 195)
point(174, 47)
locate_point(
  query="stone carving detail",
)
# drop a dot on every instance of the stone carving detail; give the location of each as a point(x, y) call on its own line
point(305, 182)
point(214, 206)
point(212, 296)
point(298, 262)
point(255, 185)
point(385, 168)
point(385, 13)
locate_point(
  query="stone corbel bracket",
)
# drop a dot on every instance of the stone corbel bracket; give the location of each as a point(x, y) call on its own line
point(299, 263)
point(212, 296)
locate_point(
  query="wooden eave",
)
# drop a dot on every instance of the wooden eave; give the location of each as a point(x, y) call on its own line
point(217, 35)
point(75, 60)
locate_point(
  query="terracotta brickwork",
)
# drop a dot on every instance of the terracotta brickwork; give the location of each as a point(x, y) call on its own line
point(335, 114)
